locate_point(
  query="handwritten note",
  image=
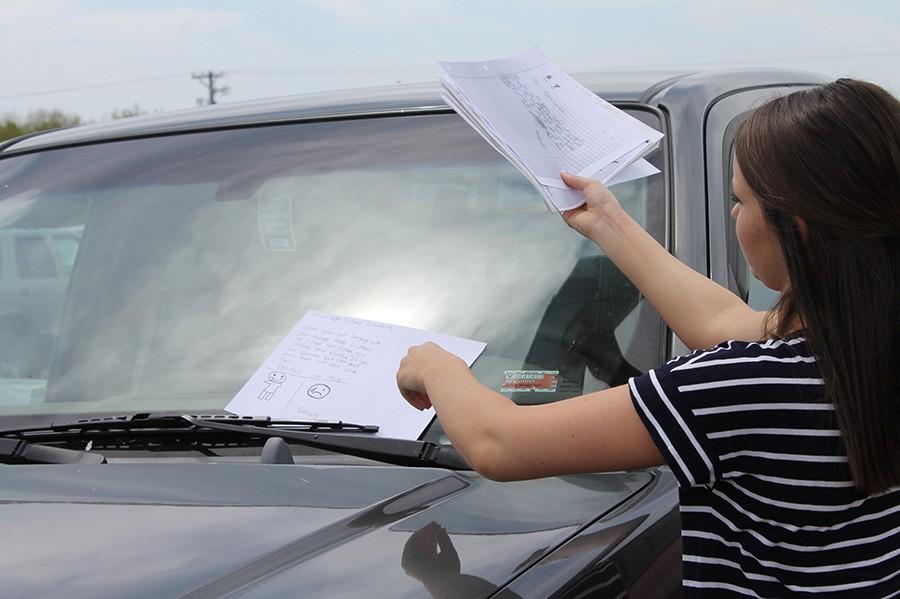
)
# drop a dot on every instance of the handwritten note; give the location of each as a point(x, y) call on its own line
point(332, 367)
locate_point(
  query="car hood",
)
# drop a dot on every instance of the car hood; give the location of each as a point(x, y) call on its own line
point(216, 529)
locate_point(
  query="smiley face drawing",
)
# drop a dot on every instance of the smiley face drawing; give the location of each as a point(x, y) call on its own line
point(318, 391)
point(272, 384)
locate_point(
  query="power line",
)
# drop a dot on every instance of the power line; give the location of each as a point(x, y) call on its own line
point(787, 56)
point(762, 59)
point(334, 71)
point(93, 86)
point(210, 76)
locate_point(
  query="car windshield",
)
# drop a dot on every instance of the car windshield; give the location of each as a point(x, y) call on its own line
point(158, 273)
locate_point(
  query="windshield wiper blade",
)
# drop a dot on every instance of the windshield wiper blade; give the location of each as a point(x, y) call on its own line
point(19, 451)
point(153, 423)
point(402, 452)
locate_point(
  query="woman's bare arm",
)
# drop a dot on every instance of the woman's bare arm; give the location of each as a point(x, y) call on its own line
point(701, 312)
point(598, 432)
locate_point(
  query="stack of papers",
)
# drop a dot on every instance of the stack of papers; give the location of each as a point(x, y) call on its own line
point(545, 122)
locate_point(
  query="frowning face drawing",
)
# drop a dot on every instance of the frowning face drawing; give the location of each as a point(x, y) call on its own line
point(318, 391)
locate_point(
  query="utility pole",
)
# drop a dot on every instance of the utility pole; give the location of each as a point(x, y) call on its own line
point(208, 80)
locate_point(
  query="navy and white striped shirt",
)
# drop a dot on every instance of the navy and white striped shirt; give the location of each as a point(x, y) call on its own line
point(768, 506)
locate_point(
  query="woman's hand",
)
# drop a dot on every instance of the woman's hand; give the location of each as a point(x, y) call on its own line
point(598, 201)
point(419, 360)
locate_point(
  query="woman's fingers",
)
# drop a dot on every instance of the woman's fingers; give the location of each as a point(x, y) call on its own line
point(413, 367)
point(416, 399)
point(591, 188)
point(598, 201)
point(575, 181)
point(568, 215)
point(409, 376)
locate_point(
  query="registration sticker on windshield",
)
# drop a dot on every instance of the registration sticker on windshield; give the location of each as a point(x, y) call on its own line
point(530, 380)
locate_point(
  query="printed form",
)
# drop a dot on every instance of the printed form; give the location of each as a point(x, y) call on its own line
point(545, 122)
point(336, 368)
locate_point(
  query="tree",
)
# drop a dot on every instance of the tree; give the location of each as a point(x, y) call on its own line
point(124, 113)
point(9, 128)
point(37, 120)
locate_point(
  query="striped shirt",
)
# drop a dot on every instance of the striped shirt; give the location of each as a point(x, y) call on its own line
point(768, 507)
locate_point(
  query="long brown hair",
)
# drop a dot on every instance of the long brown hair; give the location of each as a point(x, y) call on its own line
point(825, 165)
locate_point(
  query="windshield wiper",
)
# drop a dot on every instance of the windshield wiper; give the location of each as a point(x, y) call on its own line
point(331, 436)
point(18, 451)
point(151, 423)
point(402, 452)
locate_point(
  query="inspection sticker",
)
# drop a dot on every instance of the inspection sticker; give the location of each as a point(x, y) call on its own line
point(276, 225)
point(530, 380)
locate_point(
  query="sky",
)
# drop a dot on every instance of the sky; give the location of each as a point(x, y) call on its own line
point(94, 57)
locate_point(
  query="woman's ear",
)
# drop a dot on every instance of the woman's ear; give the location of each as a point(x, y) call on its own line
point(802, 227)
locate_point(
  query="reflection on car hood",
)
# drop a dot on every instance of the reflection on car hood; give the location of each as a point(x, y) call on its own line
point(207, 530)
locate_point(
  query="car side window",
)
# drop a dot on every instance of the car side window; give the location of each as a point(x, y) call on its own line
point(34, 259)
point(726, 261)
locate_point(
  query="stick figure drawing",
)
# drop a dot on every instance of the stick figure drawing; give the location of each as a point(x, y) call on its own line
point(272, 384)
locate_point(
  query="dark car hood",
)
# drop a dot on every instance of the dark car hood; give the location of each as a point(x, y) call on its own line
point(208, 530)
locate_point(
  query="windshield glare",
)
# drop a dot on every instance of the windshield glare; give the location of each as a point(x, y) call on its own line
point(157, 274)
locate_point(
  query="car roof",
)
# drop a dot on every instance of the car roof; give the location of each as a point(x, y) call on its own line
point(396, 99)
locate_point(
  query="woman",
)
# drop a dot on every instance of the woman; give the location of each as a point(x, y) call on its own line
point(785, 434)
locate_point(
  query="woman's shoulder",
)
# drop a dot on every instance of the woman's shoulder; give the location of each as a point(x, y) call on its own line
point(791, 352)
